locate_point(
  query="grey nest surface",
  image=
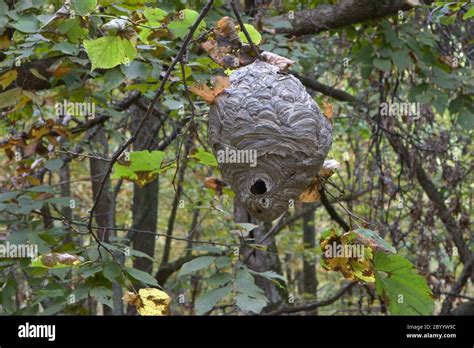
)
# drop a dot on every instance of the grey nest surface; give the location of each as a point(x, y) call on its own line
point(268, 114)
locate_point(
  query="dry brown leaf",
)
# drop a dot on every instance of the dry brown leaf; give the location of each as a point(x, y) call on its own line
point(329, 168)
point(215, 184)
point(132, 298)
point(311, 193)
point(226, 28)
point(59, 69)
point(31, 148)
point(210, 94)
point(328, 111)
point(282, 63)
point(224, 47)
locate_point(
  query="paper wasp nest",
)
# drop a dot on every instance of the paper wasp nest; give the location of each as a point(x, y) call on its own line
point(269, 137)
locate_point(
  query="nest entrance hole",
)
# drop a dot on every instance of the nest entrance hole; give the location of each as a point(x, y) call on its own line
point(259, 187)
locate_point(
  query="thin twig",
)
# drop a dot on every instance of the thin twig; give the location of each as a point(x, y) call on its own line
point(242, 27)
point(149, 111)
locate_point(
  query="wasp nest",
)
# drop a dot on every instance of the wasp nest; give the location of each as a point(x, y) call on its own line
point(269, 136)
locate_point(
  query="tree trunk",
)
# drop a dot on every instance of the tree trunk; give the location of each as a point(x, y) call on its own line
point(310, 281)
point(345, 12)
point(177, 197)
point(105, 213)
point(261, 261)
point(145, 200)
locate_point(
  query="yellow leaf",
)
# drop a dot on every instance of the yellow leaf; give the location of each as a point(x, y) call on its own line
point(149, 301)
point(4, 42)
point(7, 78)
point(37, 74)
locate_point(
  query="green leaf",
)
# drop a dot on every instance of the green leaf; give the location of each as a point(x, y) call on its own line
point(253, 33)
point(83, 7)
point(27, 24)
point(141, 276)
point(142, 167)
point(54, 164)
point(154, 17)
point(269, 275)
point(382, 64)
point(90, 270)
point(103, 295)
point(109, 51)
point(138, 253)
point(223, 261)
point(372, 239)
point(249, 304)
point(204, 157)
point(207, 301)
point(80, 293)
point(219, 279)
point(6, 196)
point(186, 19)
point(405, 291)
point(67, 48)
point(111, 271)
point(135, 70)
point(173, 104)
point(73, 29)
point(466, 119)
point(53, 309)
point(196, 265)
point(64, 201)
point(469, 13)
point(10, 97)
point(401, 59)
point(245, 284)
point(209, 248)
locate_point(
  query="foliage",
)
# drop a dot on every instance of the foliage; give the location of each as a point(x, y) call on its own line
point(70, 73)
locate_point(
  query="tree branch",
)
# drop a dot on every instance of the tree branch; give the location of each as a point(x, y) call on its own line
point(324, 89)
point(150, 109)
point(345, 12)
point(314, 305)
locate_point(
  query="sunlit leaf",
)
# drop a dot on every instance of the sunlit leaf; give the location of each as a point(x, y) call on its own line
point(109, 51)
point(253, 33)
point(185, 19)
point(149, 301)
point(405, 291)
